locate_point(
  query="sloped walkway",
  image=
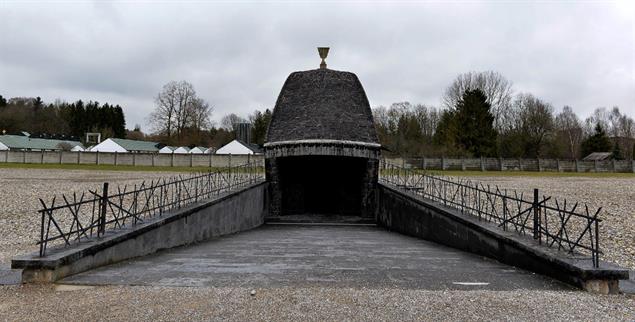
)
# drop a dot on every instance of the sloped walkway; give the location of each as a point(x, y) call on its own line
point(314, 255)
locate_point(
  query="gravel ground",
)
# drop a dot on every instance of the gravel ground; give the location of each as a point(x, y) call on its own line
point(45, 303)
point(21, 188)
point(615, 195)
point(19, 227)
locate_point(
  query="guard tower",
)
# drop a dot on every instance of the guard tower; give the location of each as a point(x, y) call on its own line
point(322, 152)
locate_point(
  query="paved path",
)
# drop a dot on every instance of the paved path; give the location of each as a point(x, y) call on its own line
point(342, 256)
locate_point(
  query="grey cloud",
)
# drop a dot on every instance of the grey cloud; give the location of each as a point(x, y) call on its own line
point(238, 55)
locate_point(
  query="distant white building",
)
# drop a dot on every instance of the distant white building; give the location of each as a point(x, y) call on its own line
point(77, 148)
point(167, 149)
point(182, 150)
point(210, 151)
point(124, 145)
point(198, 150)
point(239, 147)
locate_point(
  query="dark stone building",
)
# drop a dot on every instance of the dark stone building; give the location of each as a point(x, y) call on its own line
point(322, 152)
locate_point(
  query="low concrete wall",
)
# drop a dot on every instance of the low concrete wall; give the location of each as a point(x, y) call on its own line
point(230, 213)
point(496, 164)
point(129, 159)
point(412, 215)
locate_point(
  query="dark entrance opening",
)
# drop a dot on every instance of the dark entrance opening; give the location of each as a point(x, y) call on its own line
point(324, 185)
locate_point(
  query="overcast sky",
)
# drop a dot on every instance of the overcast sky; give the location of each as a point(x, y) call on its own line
point(238, 55)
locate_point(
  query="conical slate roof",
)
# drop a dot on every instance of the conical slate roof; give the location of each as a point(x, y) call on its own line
point(322, 104)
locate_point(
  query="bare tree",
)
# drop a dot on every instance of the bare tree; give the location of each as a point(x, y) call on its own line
point(200, 112)
point(179, 108)
point(428, 118)
point(600, 116)
point(535, 118)
point(569, 125)
point(228, 121)
point(496, 87)
point(162, 118)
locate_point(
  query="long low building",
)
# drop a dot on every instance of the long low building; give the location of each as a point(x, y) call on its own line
point(25, 143)
point(125, 146)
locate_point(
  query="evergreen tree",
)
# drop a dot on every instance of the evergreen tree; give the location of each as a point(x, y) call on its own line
point(446, 131)
point(3, 102)
point(119, 122)
point(260, 123)
point(598, 142)
point(475, 124)
point(617, 152)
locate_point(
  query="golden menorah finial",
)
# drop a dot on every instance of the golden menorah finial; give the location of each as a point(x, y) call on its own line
point(323, 51)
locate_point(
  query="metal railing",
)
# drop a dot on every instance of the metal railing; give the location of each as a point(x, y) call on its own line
point(92, 213)
point(570, 227)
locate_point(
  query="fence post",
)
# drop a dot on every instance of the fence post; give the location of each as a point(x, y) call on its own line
point(613, 165)
point(595, 165)
point(78, 156)
point(536, 217)
point(134, 158)
point(61, 152)
point(210, 159)
point(462, 164)
point(172, 160)
point(520, 164)
point(102, 212)
point(500, 164)
point(482, 165)
point(539, 166)
point(42, 158)
point(558, 165)
point(97, 158)
point(153, 155)
point(577, 168)
point(191, 160)
point(442, 163)
point(23, 156)
point(632, 163)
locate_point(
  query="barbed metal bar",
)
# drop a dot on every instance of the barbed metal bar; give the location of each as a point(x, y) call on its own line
point(553, 221)
point(81, 218)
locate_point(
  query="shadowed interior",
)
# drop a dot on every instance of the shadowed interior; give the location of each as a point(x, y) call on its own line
point(324, 185)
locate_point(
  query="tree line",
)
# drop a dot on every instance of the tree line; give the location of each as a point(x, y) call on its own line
point(481, 116)
point(60, 119)
point(182, 118)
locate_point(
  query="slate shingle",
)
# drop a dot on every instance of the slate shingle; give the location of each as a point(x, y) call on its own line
point(322, 104)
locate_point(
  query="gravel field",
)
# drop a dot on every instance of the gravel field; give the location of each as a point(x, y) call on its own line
point(615, 195)
point(305, 304)
point(20, 188)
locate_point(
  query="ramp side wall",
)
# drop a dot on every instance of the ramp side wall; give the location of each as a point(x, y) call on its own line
point(237, 211)
point(412, 215)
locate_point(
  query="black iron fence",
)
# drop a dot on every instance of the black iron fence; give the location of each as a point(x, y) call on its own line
point(570, 227)
point(93, 213)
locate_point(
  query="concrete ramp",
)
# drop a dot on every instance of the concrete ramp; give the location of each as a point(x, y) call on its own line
point(298, 255)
